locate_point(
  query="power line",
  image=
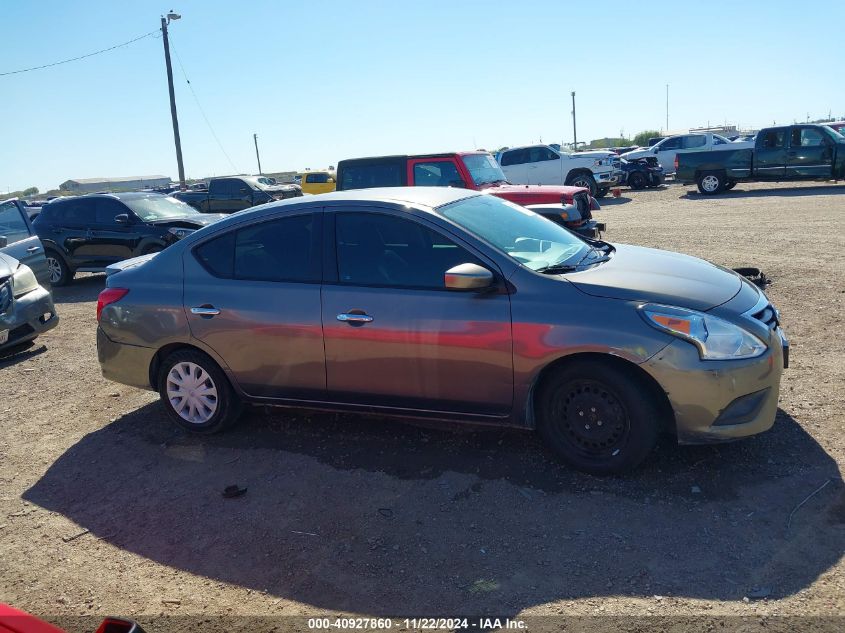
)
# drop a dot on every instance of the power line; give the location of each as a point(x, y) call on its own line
point(73, 59)
point(207, 122)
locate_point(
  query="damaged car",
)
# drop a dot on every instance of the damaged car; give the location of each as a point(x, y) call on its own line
point(87, 233)
point(26, 307)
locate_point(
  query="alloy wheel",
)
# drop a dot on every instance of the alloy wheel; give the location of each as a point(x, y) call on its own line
point(55, 268)
point(710, 183)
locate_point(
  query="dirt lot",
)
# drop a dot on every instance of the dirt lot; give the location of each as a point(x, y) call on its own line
point(106, 508)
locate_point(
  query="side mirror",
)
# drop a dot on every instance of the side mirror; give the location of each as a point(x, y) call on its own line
point(468, 277)
point(121, 218)
point(4, 241)
point(656, 149)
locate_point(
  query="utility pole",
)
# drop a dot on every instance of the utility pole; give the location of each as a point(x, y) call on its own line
point(574, 131)
point(667, 107)
point(164, 22)
point(257, 157)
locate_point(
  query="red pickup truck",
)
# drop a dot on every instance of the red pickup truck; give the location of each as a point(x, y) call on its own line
point(569, 206)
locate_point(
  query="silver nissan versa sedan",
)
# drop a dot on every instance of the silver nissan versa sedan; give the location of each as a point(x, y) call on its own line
point(450, 304)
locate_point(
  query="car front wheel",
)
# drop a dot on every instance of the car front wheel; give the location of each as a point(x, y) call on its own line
point(196, 393)
point(584, 180)
point(597, 417)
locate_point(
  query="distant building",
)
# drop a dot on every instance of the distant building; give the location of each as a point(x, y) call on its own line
point(88, 185)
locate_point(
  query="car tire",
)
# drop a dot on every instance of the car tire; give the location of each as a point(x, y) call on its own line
point(598, 417)
point(583, 180)
point(636, 180)
point(711, 182)
point(196, 393)
point(730, 185)
point(60, 273)
point(601, 192)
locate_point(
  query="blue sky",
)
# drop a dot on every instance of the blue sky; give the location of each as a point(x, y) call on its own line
point(324, 81)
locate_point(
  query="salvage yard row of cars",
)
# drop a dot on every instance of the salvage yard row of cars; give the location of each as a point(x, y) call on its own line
point(428, 286)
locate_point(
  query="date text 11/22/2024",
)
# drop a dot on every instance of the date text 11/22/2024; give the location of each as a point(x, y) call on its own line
point(419, 624)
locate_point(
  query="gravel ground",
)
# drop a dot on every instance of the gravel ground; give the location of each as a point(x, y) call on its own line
point(106, 508)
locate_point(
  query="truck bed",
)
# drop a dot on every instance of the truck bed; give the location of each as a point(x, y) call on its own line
point(736, 163)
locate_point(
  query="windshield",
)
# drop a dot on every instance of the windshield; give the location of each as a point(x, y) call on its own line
point(155, 207)
point(264, 180)
point(483, 168)
point(530, 239)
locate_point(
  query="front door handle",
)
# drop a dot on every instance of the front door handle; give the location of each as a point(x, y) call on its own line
point(205, 311)
point(33, 249)
point(352, 318)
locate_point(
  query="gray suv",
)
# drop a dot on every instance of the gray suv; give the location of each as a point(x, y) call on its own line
point(449, 304)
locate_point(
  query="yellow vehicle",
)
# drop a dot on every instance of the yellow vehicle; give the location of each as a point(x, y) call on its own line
point(317, 181)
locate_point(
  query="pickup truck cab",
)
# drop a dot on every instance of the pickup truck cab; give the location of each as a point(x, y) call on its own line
point(789, 152)
point(569, 206)
point(666, 150)
point(598, 171)
point(228, 195)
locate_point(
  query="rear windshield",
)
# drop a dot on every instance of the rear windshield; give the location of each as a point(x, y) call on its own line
point(369, 175)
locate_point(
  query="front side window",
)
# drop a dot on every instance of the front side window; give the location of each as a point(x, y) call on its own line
point(530, 239)
point(806, 137)
point(774, 139)
point(276, 250)
point(375, 249)
point(541, 154)
point(442, 173)
point(671, 143)
point(12, 225)
point(105, 210)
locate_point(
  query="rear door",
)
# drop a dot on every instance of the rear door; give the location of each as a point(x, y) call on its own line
point(434, 172)
point(514, 163)
point(810, 153)
point(71, 225)
point(252, 295)
point(21, 241)
point(544, 166)
point(770, 153)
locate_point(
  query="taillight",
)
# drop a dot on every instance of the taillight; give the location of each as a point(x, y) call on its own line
point(676, 161)
point(109, 296)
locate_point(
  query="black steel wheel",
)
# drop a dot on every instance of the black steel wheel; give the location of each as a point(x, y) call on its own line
point(636, 180)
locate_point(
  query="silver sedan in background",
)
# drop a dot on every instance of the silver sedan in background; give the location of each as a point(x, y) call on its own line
point(449, 304)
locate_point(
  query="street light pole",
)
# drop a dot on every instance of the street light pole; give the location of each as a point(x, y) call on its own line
point(667, 108)
point(257, 157)
point(574, 131)
point(164, 22)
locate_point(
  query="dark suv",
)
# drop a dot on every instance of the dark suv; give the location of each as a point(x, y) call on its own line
point(87, 233)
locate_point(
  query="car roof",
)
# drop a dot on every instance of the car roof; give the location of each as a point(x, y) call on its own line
point(126, 195)
point(424, 196)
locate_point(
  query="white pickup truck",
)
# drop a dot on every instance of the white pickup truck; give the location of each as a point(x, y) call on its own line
point(666, 150)
point(543, 165)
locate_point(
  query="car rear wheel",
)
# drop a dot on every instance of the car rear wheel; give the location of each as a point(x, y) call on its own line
point(584, 180)
point(597, 417)
point(711, 182)
point(196, 393)
point(636, 180)
point(730, 185)
point(60, 274)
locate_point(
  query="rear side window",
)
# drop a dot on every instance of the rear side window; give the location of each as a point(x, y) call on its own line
point(442, 173)
point(773, 139)
point(317, 179)
point(275, 250)
point(12, 225)
point(691, 142)
point(78, 212)
point(369, 175)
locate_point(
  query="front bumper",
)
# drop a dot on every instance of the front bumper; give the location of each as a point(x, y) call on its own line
point(25, 317)
point(126, 364)
point(718, 401)
point(609, 178)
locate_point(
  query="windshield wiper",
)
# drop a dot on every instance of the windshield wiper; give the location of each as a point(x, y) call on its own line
point(557, 269)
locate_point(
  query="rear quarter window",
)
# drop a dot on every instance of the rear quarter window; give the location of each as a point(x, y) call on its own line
point(369, 175)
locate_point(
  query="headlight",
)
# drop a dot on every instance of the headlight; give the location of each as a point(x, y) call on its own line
point(180, 233)
point(23, 281)
point(715, 338)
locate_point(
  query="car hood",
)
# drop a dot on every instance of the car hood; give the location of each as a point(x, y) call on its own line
point(8, 265)
point(595, 154)
point(638, 153)
point(193, 220)
point(553, 192)
point(635, 273)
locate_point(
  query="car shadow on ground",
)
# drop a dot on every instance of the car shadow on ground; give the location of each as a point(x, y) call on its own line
point(18, 354)
point(610, 201)
point(376, 516)
point(788, 192)
point(81, 289)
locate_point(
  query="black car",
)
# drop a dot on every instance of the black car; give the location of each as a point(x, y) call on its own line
point(87, 233)
point(641, 173)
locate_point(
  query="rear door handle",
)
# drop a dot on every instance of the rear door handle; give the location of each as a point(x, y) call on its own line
point(350, 317)
point(205, 311)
